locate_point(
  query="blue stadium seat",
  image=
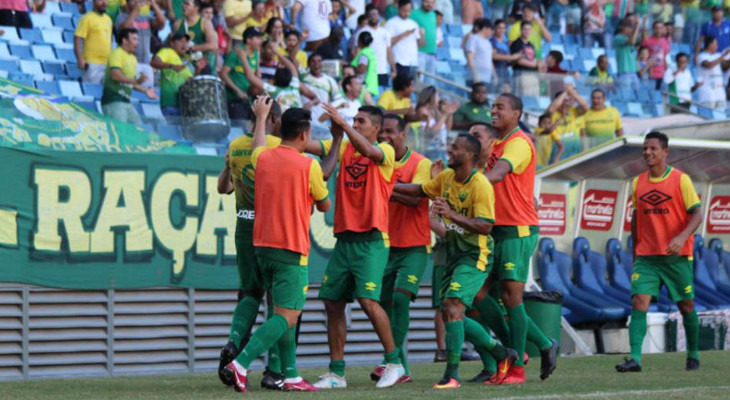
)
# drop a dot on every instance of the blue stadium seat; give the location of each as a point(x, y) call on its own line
point(64, 21)
point(22, 79)
point(55, 68)
point(530, 103)
point(52, 7)
point(150, 110)
point(716, 270)
point(94, 90)
point(634, 109)
point(52, 36)
point(703, 258)
point(31, 67)
point(71, 8)
point(10, 65)
point(43, 52)
point(68, 37)
point(442, 53)
point(73, 71)
point(41, 20)
point(455, 30)
point(584, 274)
point(11, 33)
point(170, 132)
point(49, 87)
point(705, 112)
point(33, 35)
point(70, 89)
point(586, 53)
point(4, 50)
point(65, 54)
point(724, 258)
point(21, 50)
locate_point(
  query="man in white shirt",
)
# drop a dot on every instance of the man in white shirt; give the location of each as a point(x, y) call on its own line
point(349, 104)
point(712, 92)
point(680, 84)
point(323, 86)
point(381, 45)
point(479, 52)
point(315, 19)
point(406, 37)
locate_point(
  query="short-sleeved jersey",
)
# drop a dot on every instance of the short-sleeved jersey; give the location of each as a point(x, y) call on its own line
point(515, 205)
point(389, 101)
point(242, 172)
point(473, 198)
point(663, 206)
point(116, 91)
point(363, 189)
point(545, 145)
point(96, 30)
point(237, 73)
point(287, 185)
point(409, 226)
point(171, 80)
point(603, 124)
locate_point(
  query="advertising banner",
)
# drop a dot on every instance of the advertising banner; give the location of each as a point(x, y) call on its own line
point(598, 210)
point(718, 215)
point(552, 211)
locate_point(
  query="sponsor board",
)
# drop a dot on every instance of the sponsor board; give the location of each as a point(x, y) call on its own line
point(718, 215)
point(598, 209)
point(551, 211)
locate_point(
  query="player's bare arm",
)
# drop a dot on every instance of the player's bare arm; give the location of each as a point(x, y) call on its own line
point(475, 225)
point(225, 185)
point(261, 107)
point(362, 145)
point(676, 244)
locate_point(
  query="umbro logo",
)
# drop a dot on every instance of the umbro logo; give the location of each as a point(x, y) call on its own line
point(688, 289)
point(412, 279)
point(655, 197)
point(371, 286)
point(356, 170)
point(455, 286)
point(509, 267)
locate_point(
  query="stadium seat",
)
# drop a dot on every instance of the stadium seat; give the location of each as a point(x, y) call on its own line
point(68, 37)
point(55, 68)
point(170, 132)
point(21, 51)
point(94, 90)
point(73, 71)
point(31, 67)
point(9, 64)
point(584, 274)
point(70, 89)
point(43, 53)
point(48, 87)
point(530, 103)
point(52, 7)
point(442, 53)
point(151, 111)
point(32, 35)
point(64, 21)
point(704, 260)
point(71, 8)
point(455, 30)
point(634, 109)
point(716, 270)
point(66, 54)
point(52, 36)
point(10, 35)
point(4, 50)
point(41, 20)
point(22, 79)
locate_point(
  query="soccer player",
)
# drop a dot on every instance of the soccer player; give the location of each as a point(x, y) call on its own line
point(281, 239)
point(666, 214)
point(355, 270)
point(238, 176)
point(410, 237)
point(511, 169)
point(464, 199)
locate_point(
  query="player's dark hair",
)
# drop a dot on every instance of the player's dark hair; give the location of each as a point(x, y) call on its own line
point(294, 121)
point(369, 7)
point(472, 145)
point(361, 19)
point(661, 137)
point(311, 56)
point(403, 3)
point(543, 117)
point(365, 39)
point(680, 55)
point(478, 85)
point(402, 82)
point(514, 102)
point(271, 23)
point(125, 33)
point(708, 42)
point(293, 32)
point(282, 77)
point(348, 81)
point(375, 113)
point(599, 91)
point(274, 113)
point(653, 26)
point(206, 5)
point(491, 130)
point(398, 118)
point(557, 55)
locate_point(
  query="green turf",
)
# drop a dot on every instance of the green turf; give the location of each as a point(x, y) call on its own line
point(576, 377)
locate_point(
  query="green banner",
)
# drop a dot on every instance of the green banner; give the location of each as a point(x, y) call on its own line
point(29, 119)
point(90, 220)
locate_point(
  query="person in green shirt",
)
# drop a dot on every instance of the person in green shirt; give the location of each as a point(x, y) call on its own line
point(599, 74)
point(203, 36)
point(624, 43)
point(120, 79)
point(365, 63)
point(173, 73)
point(233, 73)
point(425, 17)
point(476, 110)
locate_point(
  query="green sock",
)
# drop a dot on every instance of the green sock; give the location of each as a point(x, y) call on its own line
point(338, 367)
point(518, 331)
point(692, 333)
point(489, 364)
point(393, 357)
point(264, 337)
point(454, 342)
point(537, 336)
point(288, 353)
point(244, 317)
point(480, 338)
point(404, 360)
point(491, 315)
point(637, 331)
point(274, 364)
point(400, 321)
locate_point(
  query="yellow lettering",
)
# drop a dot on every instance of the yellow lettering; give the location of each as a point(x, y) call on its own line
point(218, 214)
point(127, 185)
point(51, 209)
point(9, 227)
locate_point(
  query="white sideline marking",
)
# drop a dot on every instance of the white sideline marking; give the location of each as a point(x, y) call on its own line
point(619, 393)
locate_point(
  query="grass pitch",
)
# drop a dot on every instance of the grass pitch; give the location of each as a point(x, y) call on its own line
point(576, 377)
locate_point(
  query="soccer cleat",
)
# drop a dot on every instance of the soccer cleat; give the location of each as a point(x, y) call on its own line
point(693, 364)
point(331, 380)
point(449, 383)
point(240, 381)
point(377, 373)
point(391, 374)
point(440, 356)
point(525, 359)
point(504, 368)
point(516, 376)
point(629, 365)
point(228, 354)
point(301, 386)
point(481, 377)
point(272, 380)
point(405, 379)
point(548, 360)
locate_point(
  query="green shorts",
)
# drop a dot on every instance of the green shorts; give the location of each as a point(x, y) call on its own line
point(462, 282)
point(404, 271)
point(675, 272)
point(512, 257)
point(283, 274)
point(355, 270)
point(436, 278)
point(248, 270)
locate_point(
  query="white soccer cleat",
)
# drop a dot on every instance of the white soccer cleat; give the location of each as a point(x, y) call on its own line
point(391, 375)
point(330, 380)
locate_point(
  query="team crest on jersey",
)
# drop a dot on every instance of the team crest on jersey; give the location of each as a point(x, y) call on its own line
point(356, 170)
point(463, 196)
point(655, 197)
point(371, 286)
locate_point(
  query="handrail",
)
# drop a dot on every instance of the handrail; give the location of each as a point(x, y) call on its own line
point(666, 96)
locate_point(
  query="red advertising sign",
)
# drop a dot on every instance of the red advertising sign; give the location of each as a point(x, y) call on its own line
point(629, 214)
point(718, 217)
point(551, 212)
point(599, 207)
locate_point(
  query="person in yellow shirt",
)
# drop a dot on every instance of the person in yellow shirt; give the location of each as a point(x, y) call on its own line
point(236, 13)
point(562, 109)
point(539, 31)
point(546, 138)
point(293, 41)
point(257, 17)
point(601, 123)
point(93, 42)
point(398, 99)
point(174, 72)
